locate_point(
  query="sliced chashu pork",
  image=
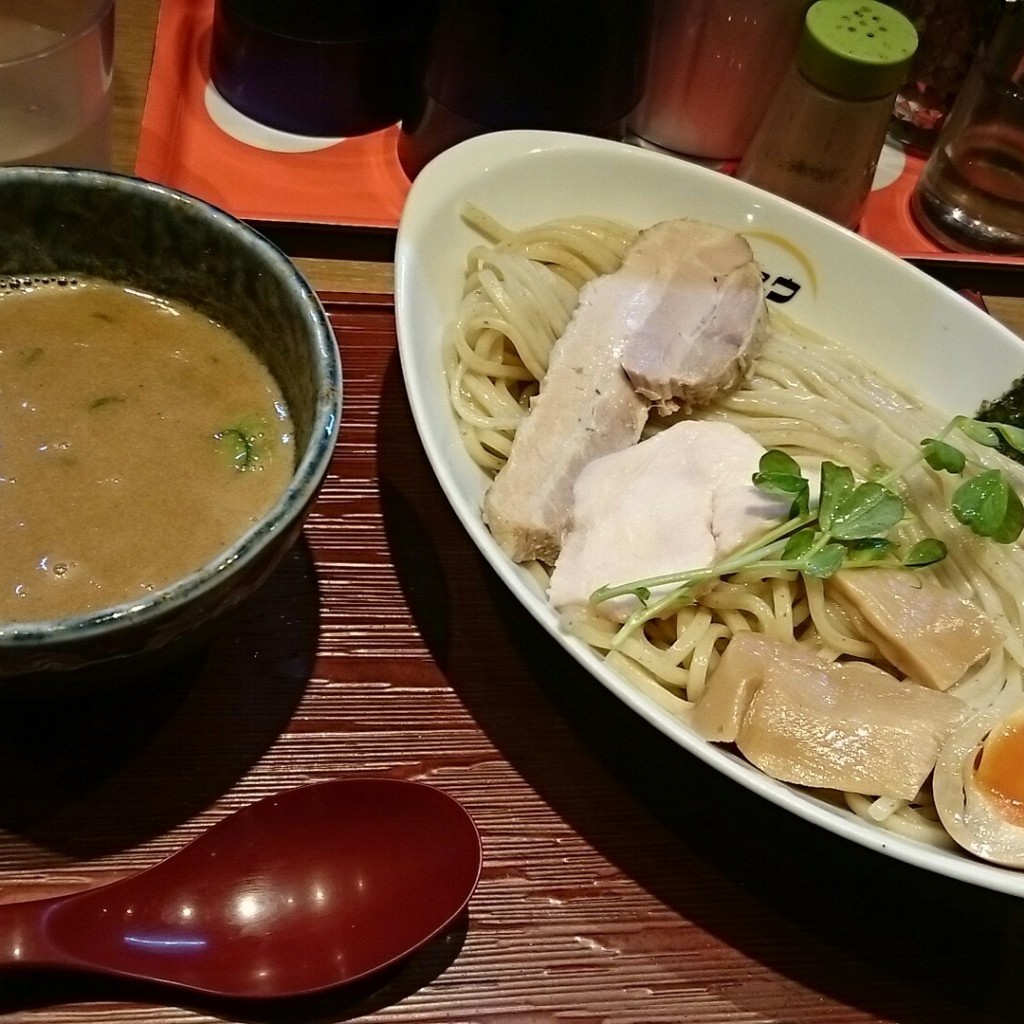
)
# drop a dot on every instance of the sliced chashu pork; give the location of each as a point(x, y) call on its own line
point(700, 339)
point(679, 500)
point(801, 719)
point(587, 405)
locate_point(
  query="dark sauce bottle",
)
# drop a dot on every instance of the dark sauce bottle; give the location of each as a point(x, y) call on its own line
point(319, 67)
point(562, 65)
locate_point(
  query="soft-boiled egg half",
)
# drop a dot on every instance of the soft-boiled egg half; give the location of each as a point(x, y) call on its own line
point(979, 785)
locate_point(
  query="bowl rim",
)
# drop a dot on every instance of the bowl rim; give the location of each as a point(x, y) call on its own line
point(23, 636)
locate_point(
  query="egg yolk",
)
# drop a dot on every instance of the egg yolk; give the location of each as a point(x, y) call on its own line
point(1001, 768)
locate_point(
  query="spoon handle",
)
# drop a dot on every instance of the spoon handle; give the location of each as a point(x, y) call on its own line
point(24, 938)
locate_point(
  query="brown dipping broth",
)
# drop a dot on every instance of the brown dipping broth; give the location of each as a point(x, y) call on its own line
point(138, 441)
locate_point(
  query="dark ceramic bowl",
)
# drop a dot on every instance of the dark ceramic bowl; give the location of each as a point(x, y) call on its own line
point(71, 222)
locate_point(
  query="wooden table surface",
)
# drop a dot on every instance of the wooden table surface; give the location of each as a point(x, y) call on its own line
point(624, 882)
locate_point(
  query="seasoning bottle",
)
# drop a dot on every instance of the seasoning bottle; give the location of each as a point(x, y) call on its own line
point(711, 71)
point(819, 142)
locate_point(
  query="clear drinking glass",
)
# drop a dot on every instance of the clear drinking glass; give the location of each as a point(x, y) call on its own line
point(970, 197)
point(56, 60)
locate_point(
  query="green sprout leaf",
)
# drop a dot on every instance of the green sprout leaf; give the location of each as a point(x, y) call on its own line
point(869, 510)
point(925, 552)
point(825, 562)
point(869, 549)
point(1013, 436)
point(942, 456)
point(837, 484)
point(779, 473)
point(780, 483)
point(799, 544)
point(778, 463)
point(979, 433)
point(989, 506)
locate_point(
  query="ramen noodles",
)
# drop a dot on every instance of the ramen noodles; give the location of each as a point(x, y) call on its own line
point(804, 395)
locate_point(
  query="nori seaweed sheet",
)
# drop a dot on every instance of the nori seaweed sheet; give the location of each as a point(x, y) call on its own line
point(1009, 408)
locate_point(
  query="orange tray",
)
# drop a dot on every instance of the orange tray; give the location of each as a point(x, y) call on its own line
point(190, 139)
point(193, 141)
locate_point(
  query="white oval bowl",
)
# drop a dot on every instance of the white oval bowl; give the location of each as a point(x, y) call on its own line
point(910, 327)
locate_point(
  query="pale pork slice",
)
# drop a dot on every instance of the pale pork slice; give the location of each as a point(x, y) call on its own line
point(587, 406)
point(710, 324)
point(847, 726)
point(679, 500)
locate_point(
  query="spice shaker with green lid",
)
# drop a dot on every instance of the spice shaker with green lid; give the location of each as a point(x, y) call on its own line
point(820, 139)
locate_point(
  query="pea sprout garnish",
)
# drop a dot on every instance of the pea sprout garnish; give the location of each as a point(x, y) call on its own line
point(849, 527)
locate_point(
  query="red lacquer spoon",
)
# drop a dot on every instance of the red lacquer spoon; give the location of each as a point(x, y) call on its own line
point(312, 888)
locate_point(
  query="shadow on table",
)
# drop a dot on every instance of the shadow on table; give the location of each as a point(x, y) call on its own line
point(848, 923)
point(91, 770)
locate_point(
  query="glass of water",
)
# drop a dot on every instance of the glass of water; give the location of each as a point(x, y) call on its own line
point(56, 61)
point(970, 197)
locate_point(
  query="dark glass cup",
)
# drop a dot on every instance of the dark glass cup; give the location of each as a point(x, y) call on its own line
point(950, 34)
point(318, 67)
point(563, 65)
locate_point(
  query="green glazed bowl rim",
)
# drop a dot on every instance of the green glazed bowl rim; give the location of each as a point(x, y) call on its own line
point(309, 471)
